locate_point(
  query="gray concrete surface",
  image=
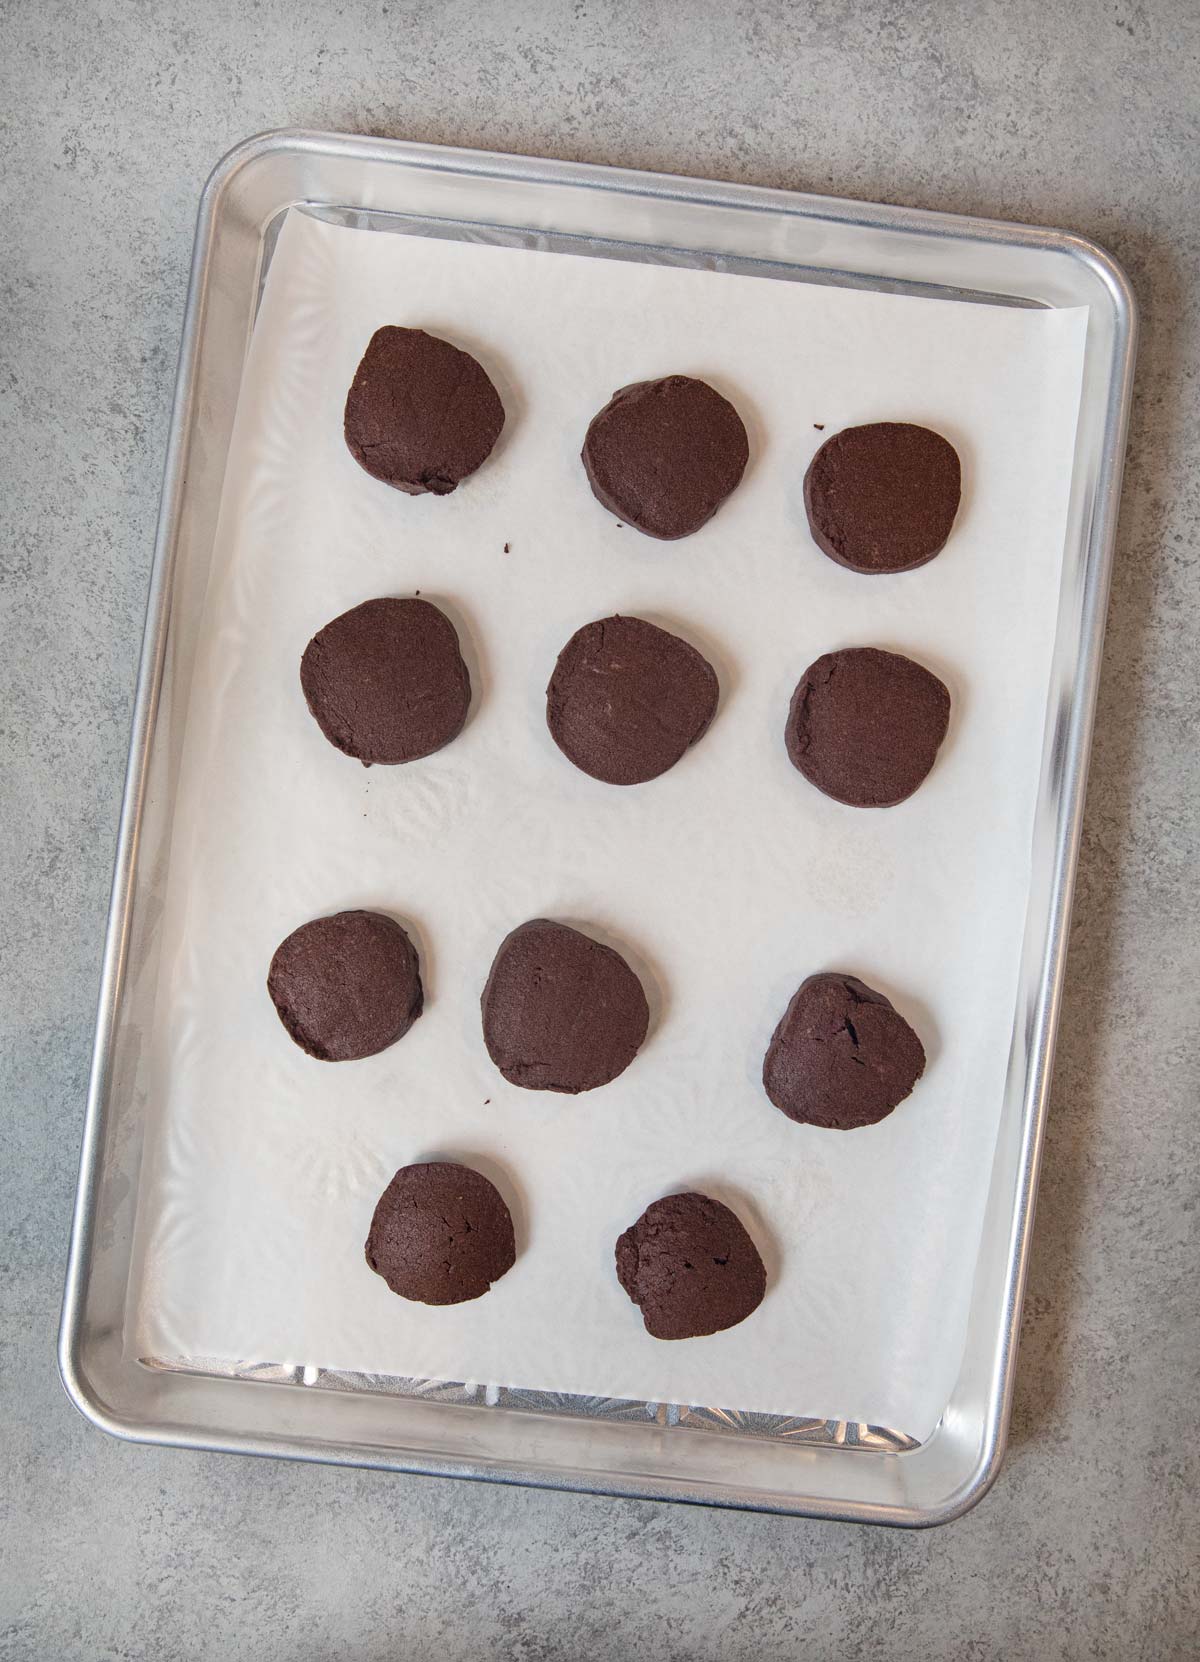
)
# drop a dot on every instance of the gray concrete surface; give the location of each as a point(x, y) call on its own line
point(1059, 111)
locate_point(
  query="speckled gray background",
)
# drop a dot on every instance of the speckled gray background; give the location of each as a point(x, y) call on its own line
point(1062, 112)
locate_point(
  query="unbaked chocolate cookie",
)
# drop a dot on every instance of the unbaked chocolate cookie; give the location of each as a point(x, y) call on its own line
point(865, 726)
point(883, 497)
point(690, 1267)
point(386, 681)
point(561, 1012)
point(627, 699)
point(842, 1056)
point(663, 455)
point(440, 1234)
point(346, 986)
point(421, 414)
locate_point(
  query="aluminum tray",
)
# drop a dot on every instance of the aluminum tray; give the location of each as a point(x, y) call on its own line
point(810, 1467)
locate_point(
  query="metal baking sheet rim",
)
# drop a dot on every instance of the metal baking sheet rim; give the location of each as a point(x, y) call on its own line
point(921, 1486)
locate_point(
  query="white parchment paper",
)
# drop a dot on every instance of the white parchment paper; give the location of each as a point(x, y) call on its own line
point(725, 882)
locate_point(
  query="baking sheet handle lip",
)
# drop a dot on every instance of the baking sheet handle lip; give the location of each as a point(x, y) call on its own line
point(438, 158)
point(72, 1370)
point(1099, 559)
point(569, 1480)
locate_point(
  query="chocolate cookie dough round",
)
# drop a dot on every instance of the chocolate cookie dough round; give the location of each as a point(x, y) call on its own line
point(561, 1012)
point(663, 455)
point(421, 414)
point(346, 986)
point(883, 497)
point(627, 699)
point(690, 1267)
point(441, 1234)
point(865, 726)
point(386, 681)
point(842, 1056)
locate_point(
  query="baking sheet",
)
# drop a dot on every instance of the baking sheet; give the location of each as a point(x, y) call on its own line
point(725, 882)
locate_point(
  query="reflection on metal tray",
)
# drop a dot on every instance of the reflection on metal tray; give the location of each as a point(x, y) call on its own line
point(613, 248)
point(623, 1448)
point(782, 1428)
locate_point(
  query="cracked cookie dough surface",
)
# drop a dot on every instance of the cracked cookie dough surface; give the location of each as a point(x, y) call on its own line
point(690, 1267)
point(561, 1011)
point(421, 414)
point(441, 1234)
point(386, 681)
point(842, 1056)
point(628, 699)
point(865, 726)
point(346, 986)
